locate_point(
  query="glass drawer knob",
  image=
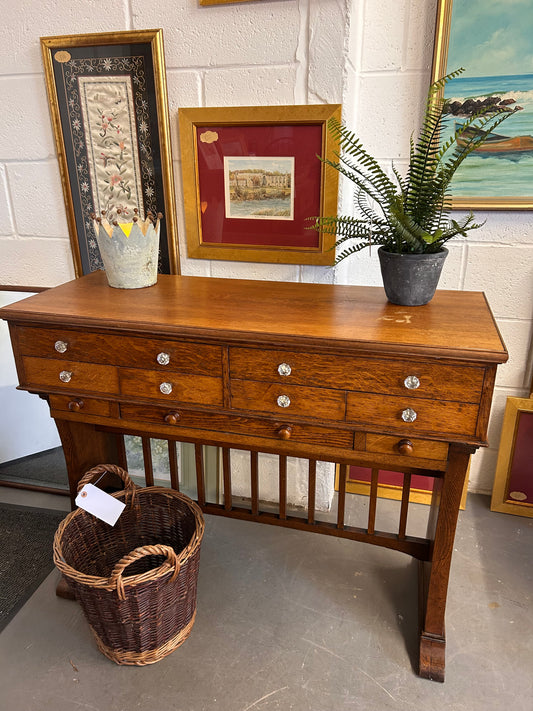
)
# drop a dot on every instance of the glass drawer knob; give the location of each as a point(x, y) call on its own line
point(163, 358)
point(65, 376)
point(408, 415)
point(166, 388)
point(284, 369)
point(60, 346)
point(284, 401)
point(411, 382)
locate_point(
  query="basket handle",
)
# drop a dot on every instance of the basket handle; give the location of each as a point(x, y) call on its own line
point(115, 578)
point(102, 469)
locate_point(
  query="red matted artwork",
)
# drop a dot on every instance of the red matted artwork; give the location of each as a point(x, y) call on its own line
point(390, 485)
point(520, 485)
point(513, 482)
point(257, 182)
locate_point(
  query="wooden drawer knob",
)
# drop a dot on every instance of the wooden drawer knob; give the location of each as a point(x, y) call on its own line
point(75, 405)
point(172, 418)
point(405, 446)
point(284, 432)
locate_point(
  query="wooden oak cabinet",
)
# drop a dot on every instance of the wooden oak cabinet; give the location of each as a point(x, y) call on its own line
point(321, 372)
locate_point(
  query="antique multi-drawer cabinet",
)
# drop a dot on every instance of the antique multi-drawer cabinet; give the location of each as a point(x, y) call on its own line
point(321, 372)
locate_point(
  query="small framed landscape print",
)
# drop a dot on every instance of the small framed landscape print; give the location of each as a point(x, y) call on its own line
point(269, 180)
point(252, 178)
point(493, 43)
point(108, 103)
point(513, 484)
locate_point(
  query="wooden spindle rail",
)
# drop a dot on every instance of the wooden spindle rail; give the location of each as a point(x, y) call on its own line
point(200, 481)
point(283, 487)
point(254, 482)
point(147, 459)
point(311, 492)
point(371, 529)
point(406, 490)
point(173, 465)
point(226, 473)
point(341, 502)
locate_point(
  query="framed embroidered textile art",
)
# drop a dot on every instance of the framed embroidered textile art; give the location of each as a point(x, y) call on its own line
point(107, 96)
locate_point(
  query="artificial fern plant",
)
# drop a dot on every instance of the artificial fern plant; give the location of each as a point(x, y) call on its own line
point(408, 215)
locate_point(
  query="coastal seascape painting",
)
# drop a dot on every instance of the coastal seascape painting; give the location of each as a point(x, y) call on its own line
point(495, 46)
point(259, 188)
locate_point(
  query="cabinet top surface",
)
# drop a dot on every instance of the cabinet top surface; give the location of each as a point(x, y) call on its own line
point(454, 324)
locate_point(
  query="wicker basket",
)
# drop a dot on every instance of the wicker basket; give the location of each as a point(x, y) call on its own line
point(140, 618)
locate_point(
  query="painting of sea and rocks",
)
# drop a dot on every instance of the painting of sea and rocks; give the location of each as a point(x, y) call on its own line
point(495, 46)
point(259, 188)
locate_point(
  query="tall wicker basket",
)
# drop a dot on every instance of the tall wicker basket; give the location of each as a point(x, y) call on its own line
point(141, 617)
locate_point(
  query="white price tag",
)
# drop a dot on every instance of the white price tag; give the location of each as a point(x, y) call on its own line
point(100, 504)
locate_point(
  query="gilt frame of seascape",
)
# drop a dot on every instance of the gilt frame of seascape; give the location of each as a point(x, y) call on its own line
point(489, 39)
point(252, 178)
point(108, 104)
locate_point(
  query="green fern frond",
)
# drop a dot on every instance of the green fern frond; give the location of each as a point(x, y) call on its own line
point(351, 145)
point(348, 252)
point(407, 214)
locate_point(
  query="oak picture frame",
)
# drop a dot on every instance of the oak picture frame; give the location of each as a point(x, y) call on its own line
point(211, 138)
point(108, 104)
point(506, 497)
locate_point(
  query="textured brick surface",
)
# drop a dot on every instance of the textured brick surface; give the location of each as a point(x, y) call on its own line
point(6, 222)
point(249, 33)
point(25, 128)
point(36, 262)
point(24, 22)
point(37, 199)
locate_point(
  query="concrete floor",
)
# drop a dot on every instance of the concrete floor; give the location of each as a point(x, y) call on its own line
point(291, 620)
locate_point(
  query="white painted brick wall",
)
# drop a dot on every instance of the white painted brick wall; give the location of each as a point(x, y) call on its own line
point(373, 56)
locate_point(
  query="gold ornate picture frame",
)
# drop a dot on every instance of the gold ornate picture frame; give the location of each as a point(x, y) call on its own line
point(252, 178)
point(108, 103)
point(491, 46)
point(222, 2)
point(513, 482)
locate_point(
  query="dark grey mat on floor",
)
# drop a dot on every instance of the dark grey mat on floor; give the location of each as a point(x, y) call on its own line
point(26, 537)
point(46, 468)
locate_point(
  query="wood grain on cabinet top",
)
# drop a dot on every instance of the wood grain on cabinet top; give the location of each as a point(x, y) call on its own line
point(455, 324)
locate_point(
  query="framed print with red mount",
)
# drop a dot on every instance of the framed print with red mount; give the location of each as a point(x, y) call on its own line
point(252, 178)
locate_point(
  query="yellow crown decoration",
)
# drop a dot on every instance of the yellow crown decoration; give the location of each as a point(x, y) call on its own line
point(129, 250)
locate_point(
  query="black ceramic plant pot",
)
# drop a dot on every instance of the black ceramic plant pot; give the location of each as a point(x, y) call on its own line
point(411, 279)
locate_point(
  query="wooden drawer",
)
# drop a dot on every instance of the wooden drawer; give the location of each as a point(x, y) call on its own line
point(120, 350)
point(192, 389)
point(316, 403)
point(423, 448)
point(84, 377)
point(233, 424)
point(84, 406)
point(449, 418)
point(446, 382)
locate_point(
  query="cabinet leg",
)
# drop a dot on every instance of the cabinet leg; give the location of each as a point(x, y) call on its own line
point(432, 657)
point(64, 590)
point(85, 447)
point(434, 574)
